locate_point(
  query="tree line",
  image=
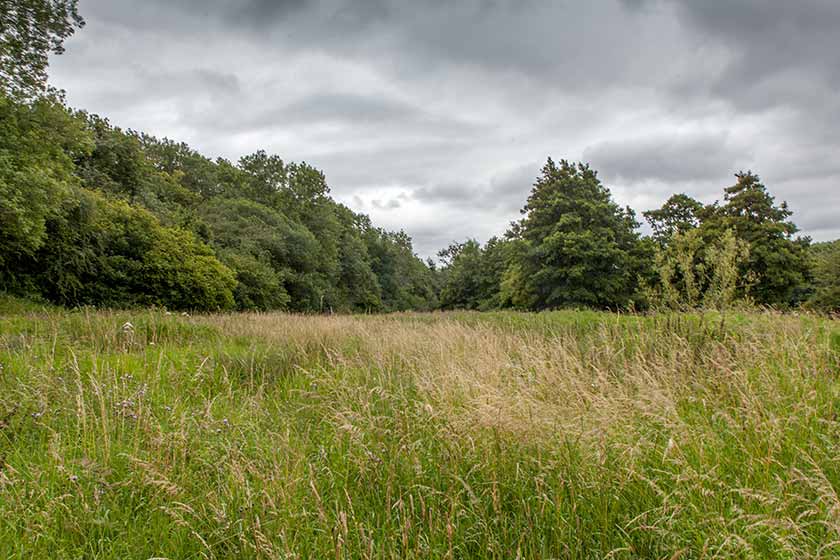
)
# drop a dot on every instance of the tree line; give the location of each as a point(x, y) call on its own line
point(94, 215)
point(575, 247)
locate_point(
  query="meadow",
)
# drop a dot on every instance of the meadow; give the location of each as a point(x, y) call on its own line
point(568, 434)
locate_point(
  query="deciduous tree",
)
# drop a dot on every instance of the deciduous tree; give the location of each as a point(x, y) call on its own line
point(31, 30)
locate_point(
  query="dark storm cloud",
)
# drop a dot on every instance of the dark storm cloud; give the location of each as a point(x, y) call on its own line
point(455, 105)
point(556, 43)
point(781, 53)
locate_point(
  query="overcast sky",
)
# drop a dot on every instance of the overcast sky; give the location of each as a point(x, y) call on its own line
point(435, 116)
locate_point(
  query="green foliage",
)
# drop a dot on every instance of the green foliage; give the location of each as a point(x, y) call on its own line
point(119, 166)
point(472, 275)
point(406, 282)
point(697, 244)
point(192, 171)
point(92, 214)
point(180, 272)
point(31, 30)
point(258, 285)
point(38, 142)
point(105, 252)
point(724, 259)
point(288, 249)
point(463, 286)
point(152, 216)
point(358, 285)
point(678, 215)
point(777, 262)
point(826, 259)
point(693, 274)
point(580, 248)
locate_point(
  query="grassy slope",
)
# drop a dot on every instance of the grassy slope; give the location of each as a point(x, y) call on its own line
point(566, 435)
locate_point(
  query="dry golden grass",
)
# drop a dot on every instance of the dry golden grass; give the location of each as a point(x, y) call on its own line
point(535, 385)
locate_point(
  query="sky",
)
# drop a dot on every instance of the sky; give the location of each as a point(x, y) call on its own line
point(436, 116)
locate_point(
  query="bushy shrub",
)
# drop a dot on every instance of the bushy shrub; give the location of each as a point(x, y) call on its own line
point(106, 252)
point(693, 274)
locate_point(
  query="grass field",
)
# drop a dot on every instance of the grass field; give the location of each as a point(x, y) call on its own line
point(138, 434)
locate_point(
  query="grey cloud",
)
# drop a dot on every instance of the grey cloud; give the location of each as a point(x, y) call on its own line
point(779, 51)
point(820, 223)
point(352, 107)
point(506, 191)
point(446, 192)
point(390, 204)
point(551, 42)
point(430, 237)
point(458, 103)
point(265, 15)
point(671, 158)
point(221, 81)
point(264, 12)
point(365, 113)
point(510, 191)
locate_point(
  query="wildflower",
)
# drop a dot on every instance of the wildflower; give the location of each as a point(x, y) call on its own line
point(74, 478)
point(167, 408)
point(225, 422)
point(37, 415)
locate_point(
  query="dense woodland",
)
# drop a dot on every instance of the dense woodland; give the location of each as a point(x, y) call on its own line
point(94, 215)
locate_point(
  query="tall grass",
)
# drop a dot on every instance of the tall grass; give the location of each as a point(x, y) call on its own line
point(457, 435)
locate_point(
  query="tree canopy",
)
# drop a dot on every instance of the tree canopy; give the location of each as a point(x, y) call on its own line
point(92, 214)
point(679, 214)
point(579, 247)
point(31, 30)
point(778, 261)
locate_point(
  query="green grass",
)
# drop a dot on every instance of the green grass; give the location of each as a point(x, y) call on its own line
point(448, 435)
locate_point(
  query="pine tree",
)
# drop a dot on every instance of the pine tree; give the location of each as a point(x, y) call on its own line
point(778, 261)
